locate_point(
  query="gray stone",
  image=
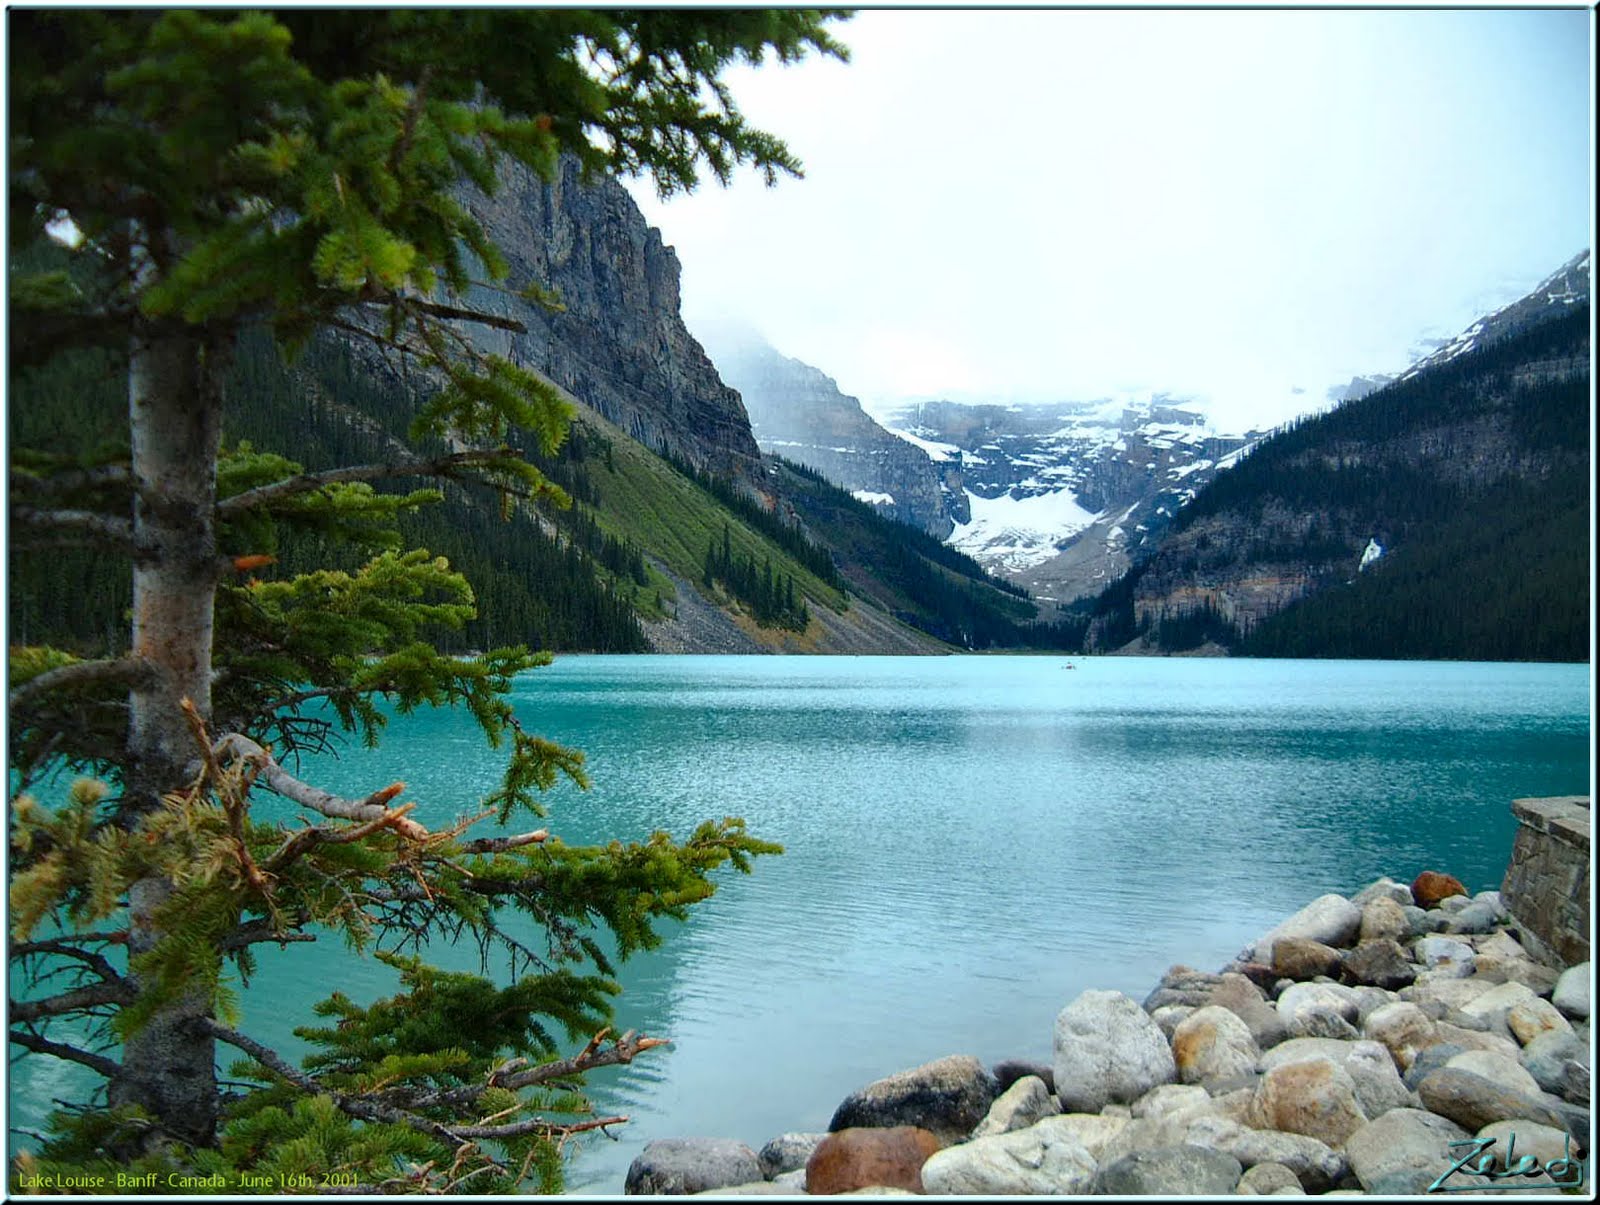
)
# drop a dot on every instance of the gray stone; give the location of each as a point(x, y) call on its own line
point(1473, 1102)
point(1236, 993)
point(787, 1152)
point(1546, 887)
point(1453, 904)
point(1571, 994)
point(1169, 1172)
point(1484, 1039)
point(1041, 1160)
point(1384, 889)
point(1379, 962)
point(1315, 1164)
point(1315, 1097)
point(1476, 917)
point(1499, 944)
point(1317, 1023)
point(1370, 999)
point(1268, 1180)
point(1182, 985)
point(1330, 919)
point(792, 1181)
point(1302, 998)
point(1494, 900)
point(1383, 920)
point(1170, 1016)
point(1497, 1069)
point(1575, 1082)
point(1545, 1058)
point(948, 1097)
point(1213, 1045)
point(1108, 1049)
point(1408, 1142)
point(681, 1166)
point(1429, 1060)
point(1018, 1107)
point(1421, 920)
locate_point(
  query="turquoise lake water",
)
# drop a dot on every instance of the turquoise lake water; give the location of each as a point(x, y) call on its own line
point(970, 842)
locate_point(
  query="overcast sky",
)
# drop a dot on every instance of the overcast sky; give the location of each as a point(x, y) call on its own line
point(1041, 205)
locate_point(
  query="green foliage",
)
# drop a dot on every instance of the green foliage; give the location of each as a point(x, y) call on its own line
point(244, 178)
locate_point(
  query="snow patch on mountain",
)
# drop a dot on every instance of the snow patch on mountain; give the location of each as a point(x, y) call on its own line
point(1017, 533)
point(873, 497)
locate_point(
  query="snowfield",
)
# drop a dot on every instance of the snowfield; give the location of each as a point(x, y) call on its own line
point(1018, 533)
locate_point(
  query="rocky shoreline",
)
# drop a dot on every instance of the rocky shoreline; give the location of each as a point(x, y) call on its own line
point(1366, 1045)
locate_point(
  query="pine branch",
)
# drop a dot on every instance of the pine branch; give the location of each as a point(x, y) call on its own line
point(624, 1050)
point(95, 1062)
point(91, 995)
point(275, 778)
point(260, 931)
point(265, 495)
point(57, 525)
point(129, 670)
point(454, 313)
point(307, 839)
point(70, 480)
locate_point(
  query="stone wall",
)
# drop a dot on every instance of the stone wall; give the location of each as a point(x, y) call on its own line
point(1546, 887)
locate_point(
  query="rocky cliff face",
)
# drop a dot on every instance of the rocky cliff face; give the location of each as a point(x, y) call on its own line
point(619, 344)
point(799, 413)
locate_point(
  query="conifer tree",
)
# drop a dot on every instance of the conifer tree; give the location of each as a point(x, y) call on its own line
point(225, 173)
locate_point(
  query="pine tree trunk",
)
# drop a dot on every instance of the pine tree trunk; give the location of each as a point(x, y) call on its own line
point(175, 407)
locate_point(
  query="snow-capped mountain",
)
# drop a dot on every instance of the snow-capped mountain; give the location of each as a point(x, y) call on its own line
point(1567, 286)
point(1061, 495)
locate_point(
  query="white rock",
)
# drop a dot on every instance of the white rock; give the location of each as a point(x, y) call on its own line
point(1571, 993)
point(1107, 1049)
point(1368, 1064)
point(1092, 1131)
point(1433, 950)
point(1037, 1161)
point(1495, 1003)
point(1411, 1141)
point(1168, 1100)
point(1319, 997)
point(1330, 919)
point(1384, 889)
point(1317, 1165)
point(1497, 1069)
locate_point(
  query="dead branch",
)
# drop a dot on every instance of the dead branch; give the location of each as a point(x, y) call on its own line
point(260, 931)
point(495, 845)
point(75, 523)
point(91, 995)
point(65, 948)
point(308, 839)
point(95, 1062)
point(127, 670)
point(278, 780)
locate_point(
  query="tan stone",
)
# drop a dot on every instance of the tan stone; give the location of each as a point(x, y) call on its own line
point(1383, 920)
point(1530, 1018)
point(1313, 1097)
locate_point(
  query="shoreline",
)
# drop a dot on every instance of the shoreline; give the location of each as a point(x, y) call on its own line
point(1341, 1053)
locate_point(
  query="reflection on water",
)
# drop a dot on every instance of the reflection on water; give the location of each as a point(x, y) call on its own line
point(970, 843)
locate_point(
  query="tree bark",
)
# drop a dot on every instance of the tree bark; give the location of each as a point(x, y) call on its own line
point(175, 408)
